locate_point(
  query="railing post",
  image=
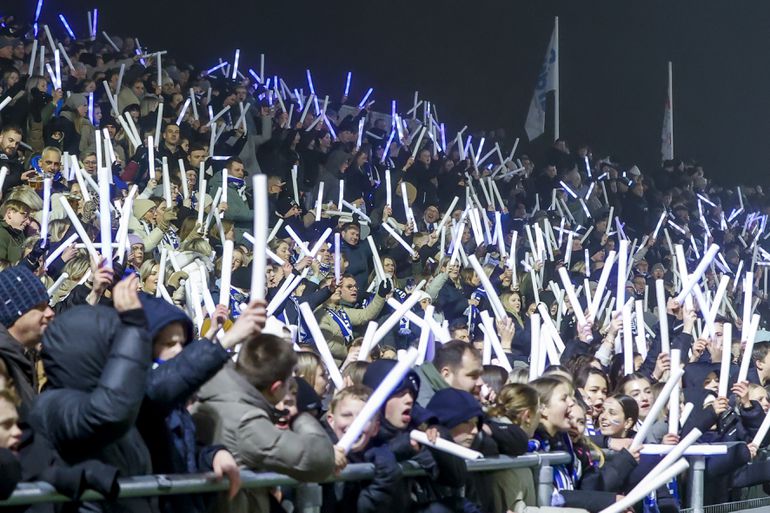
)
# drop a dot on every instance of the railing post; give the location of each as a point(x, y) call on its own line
point(544, 485)
point(309, 498)
point(698, 468)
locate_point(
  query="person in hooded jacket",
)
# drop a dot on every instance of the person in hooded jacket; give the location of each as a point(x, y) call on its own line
point(181, 366)
point(400, 415)
point(94, 356)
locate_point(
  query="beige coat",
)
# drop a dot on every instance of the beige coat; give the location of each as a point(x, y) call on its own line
point(358, 317)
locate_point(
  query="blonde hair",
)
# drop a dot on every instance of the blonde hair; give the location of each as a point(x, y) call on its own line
point(360, 392)
point(307, 366)
point(26, 195)
point(513, 400)
point(197, 245)
point(58, 229)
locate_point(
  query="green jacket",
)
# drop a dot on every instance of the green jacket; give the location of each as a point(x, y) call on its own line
point(11, 242)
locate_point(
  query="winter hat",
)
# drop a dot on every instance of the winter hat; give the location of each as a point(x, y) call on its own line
point(307, 398)
point(452, 407)
point(75, 100)
point(241, 278)
point(142, 206)
point(134, 239)
point(378, 369)
point(20, 291)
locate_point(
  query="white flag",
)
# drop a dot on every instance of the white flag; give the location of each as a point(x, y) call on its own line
point(547, 81)
point(667, 135)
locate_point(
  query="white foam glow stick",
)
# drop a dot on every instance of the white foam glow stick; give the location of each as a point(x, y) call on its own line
point(425, 335)
point(657, 407)
point(225, 185)
point(762, 431)
point(641, 341)
point(260, 237)
point(58, 283)
point(167, 184)
point(161, 270)
point(227, 270)
point(79, 228)
point(398, 239)
point(724, 365)
point(158, 124)
point(641, 490)
point(300, 243)
point(337, 259)
point(573, 299)
point(342, 195)
point(320, 242)
point(396, 316)
point(695, 277)
point(445, 446)
point(593, 310)
point(60, 249)
point(46, 211)
point(151, 157)
point(534, 341)
point(622, 268)
point(105, 220)
point(287, 287)
point(494, 299)
point(388, 191)
point(377, 399)
point(660, 294)
point(673, 401)
point(751, 332)
point(319, 202)
point(502, 358)
point(675, 452)
point(363, 354)
point(748, 285)
point(627, 339)
point(378, 269)
point(294, 184)
point(183, 177)
point(322, 346)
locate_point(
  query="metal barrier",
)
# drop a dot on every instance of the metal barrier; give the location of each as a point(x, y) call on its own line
point(308, 494)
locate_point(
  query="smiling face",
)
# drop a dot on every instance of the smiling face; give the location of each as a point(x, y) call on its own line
point(613, 422)
point(288, 408)
point(345, 412)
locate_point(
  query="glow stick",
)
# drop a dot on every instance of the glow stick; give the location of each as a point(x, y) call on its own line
point(695, 277)
point(534, 323)
point(275, 229)
point(657, 407)
point(323, 348)
point(366, 344)
point(674, 453)
point(58, 283)
point(751, 331)
point(494, 299)
point(628, 348)
point(79, 228)
point(46, 210)
point(60, 249)
point(425, 335)
point(366, 97)
point(660, 294)
point(419, 141)
point(724, 367)
point(641, 342)
point(305, 109)
point(388, 191)
point(673, 401)
point(445, 446)
point(321, 241)
point(105, 221)
point(337, 259)
point(748, 284)
point(151, 157)
point(218, 115)
point(762, 431)
point(622, 263)
point(319, 202)
point(294, 184)
point(260, 237)
point(300, 243)
point(42, 60)
point(495, 341)
point(161, 271)
point(642, 490)
point(378, 269)
point(227, 269)
point(112, 43)
point(289, 284)
point(342, 194)
point(166, 183)
point(377, 400)
point(225, 185)
point(573, 299)
point(389, 323)
point(398, 239)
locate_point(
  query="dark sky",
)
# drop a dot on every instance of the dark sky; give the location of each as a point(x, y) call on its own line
point(477, 62)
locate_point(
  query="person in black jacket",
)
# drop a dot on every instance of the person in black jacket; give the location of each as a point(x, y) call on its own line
point(94, 357)
point(181, 366)
point(356, 496)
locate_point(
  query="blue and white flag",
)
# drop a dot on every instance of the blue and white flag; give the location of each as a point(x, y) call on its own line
point(547, 81)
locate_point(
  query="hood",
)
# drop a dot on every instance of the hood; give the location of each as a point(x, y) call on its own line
point(161, 313)
point(76, 346)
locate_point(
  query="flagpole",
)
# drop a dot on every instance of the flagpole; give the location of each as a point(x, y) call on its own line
point(671, 102)
point(556, 76)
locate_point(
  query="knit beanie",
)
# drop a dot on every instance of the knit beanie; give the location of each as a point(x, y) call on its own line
point(141, 206)
point(453, 407)
point(20, 292)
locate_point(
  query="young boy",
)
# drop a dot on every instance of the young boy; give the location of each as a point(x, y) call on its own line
point(357, 496)
point(15, 218)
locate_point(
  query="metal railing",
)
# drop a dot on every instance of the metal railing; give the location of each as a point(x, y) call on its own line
point(308, 496)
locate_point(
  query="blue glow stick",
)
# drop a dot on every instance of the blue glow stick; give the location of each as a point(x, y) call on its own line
point(218, 66)
point(366, 97)
point(96, 15)
point(443, 137)
point(267, 84)
point(91, 107)
point(67, 26)
point(312, 91)
point(393, 110)
point(329, 126)
point(387, 145)
point(254, 74)
point(347, 83)
point(38, 9)
point(481, 145)
point(235, 63)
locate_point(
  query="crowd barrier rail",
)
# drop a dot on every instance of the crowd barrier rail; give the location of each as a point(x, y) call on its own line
point(309, 497)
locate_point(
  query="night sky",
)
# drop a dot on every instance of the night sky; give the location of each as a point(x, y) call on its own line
point(477, 62)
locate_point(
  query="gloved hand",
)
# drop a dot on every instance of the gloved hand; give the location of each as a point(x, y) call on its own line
point(165, 221)
point(386, 287)
point(32, 261)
